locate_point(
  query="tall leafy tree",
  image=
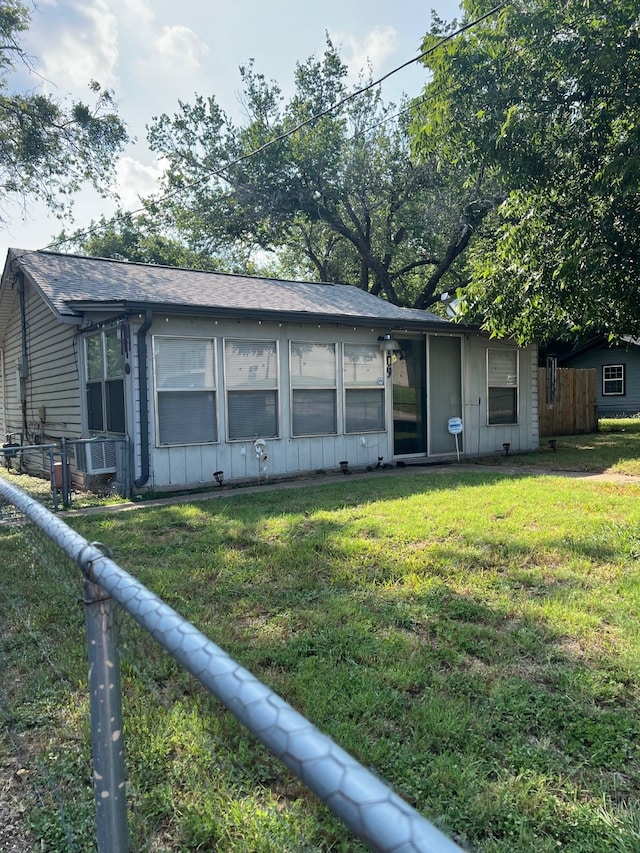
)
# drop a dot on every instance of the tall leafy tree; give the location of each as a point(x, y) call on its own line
point(132, 237)
point(138, 238)
point(544, 97)
point(338, 196)
point(49, 149)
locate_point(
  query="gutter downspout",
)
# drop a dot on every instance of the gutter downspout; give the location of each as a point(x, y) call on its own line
point(143, 386)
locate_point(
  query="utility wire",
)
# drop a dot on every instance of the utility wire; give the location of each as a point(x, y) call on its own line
point(286, 134)
point(281, 137)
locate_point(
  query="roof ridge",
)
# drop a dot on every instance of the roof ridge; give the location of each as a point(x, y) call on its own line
point(147, 265)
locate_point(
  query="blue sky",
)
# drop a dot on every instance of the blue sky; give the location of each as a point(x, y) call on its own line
point(153, 53)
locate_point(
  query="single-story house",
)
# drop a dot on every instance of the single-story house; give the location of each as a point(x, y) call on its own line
point(617, 369)
point(200, 372)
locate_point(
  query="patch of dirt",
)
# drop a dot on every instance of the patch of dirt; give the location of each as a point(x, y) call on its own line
point(16, 798)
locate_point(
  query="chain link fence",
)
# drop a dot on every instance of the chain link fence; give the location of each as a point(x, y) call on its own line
point(101, 463)
point(372, 810)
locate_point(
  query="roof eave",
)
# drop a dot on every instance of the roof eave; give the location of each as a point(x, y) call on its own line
point(11, 269)
point(306, 317)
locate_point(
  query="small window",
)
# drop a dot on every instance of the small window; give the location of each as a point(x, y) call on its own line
point(251, 377)
point(314, 409)
point(185, 390)
point(502, 386)
point(105, 367)
point(613, 380)
point(363, 373)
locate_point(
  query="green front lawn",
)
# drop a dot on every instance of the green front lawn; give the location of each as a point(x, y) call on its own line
point(614, 449)
point(472, 637)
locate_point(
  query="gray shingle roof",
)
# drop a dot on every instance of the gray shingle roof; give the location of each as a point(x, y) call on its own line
point(67, 280)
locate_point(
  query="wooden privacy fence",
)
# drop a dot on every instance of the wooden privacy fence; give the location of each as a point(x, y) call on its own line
point(567, 403)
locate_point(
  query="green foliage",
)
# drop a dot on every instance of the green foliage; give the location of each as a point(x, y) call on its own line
point(544, 98)
point(138, 238)
point(134, 238)
point(48, 150)
point(336, 198)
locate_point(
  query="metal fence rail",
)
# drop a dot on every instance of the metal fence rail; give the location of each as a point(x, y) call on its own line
point(366, 804)
point(64, 458)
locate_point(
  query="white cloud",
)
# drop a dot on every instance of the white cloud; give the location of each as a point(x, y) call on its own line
point(135, 179)
point(80, 44)
point(369, 53)
point(181, 45)
point(136, 13)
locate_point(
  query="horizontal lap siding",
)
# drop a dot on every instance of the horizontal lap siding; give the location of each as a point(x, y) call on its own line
point(52, 380)
point(611, 405)
point(53, 372)
point(12, 352)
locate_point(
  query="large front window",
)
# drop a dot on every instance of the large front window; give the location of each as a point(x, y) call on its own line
point(105, 364)
point(251, 379)
point(313, 389)
point(502, 382)
point(363, 373)
point(185, 390)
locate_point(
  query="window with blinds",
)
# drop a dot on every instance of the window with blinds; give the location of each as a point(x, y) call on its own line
point(185, 388)
point(251, 382)
point(314, 408)
point(502, 386)
point(363, 373)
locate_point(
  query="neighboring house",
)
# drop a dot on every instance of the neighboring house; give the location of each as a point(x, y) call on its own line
point(203, 372)
point(617, 373)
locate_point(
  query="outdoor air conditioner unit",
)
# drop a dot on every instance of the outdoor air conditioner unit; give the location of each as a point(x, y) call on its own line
point(100, 457)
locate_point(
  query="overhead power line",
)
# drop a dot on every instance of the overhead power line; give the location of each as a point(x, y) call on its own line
point(212, 173)
point(433, 92)
point(339, 104)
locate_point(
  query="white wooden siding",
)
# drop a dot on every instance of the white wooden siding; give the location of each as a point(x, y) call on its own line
point(195, 464)
point(481, 438)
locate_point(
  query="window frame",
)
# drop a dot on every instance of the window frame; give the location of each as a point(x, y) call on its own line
point(621, 379)
point(377, 385)
point(210, 388)
point(515, 386)
point(110, 407)
point(311, 388)
point(230, 388)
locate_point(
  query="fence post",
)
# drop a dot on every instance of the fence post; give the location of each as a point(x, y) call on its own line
point(52, 475)
point(106, 719)
point(372, 810)
point(66, 485)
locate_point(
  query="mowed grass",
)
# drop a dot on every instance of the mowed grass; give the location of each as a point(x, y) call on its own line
point(473, 638)
point(614, 449)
